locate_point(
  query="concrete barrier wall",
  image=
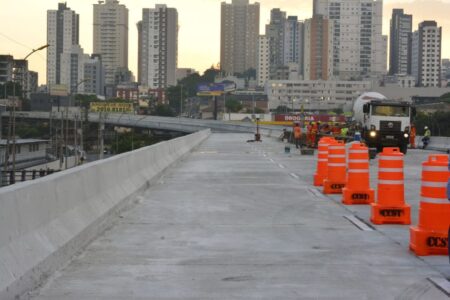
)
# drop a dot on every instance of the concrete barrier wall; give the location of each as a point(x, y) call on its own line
point(43, 223)
point(439, 143)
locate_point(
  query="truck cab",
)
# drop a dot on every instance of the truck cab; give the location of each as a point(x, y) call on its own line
point(387, 123)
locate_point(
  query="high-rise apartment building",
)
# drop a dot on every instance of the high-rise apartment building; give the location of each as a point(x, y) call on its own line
point(6, 68)
point(293, 41)
point(318, 49)
point(359, 46)
point(239, 36)
point(426, 54)
point(16, 70)
point(158, 47)
point(263, 70)
point(111, 36)
point(275, 34)
point(400, 51)
point(94, 75)
point(81, 73)
point(62, 34)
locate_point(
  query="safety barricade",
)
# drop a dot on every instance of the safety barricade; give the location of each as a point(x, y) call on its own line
point(357, 189)
point(337, 168)
point(390, 207)
point(429, 237)
point(322, 161)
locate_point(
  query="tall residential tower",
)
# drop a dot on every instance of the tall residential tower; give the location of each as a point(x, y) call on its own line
point(426, 54)
point(62, 34)
point(239, 36)
point(111, 36)
point(158, 47)
point(359, 46)
point(400, 51)
point(318, 49)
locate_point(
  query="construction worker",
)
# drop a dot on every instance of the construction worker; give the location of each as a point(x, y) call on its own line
point(344, 131)
point(314, 131)
point(426, 137)
point(335, 130)
point(309, 133)
point(297, 135)
point(412, 137)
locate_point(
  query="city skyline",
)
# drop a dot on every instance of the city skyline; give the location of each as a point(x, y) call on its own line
point(199, 45)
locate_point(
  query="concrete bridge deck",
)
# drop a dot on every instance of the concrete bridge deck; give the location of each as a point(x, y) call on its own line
point(237, 220)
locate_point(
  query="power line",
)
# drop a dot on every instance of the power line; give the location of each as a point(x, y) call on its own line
point(14, 41)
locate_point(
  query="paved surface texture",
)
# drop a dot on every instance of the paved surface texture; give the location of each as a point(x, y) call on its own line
point(237, 220)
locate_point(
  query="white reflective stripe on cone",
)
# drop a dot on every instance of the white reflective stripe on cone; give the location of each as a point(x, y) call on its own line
point(393, 182)
point(434, 169)
point(336, 147)
point(391, 157)
point(323, 152)
point(435, 200)
point(434, 184)
point(322, 160)
point(390, 170)
point(337, 156)
point(358, 171)
point(337, 165)
point(358, 151)
point(358, 160)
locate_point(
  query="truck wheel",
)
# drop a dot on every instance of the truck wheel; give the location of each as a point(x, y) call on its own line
point(404, 148)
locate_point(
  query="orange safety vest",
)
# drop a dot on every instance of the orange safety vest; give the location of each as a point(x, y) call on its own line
point(297, 132)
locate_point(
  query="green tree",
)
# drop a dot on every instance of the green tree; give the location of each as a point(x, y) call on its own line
point(85, 100)
point(233, 105)
point(210, 75)
point(163, 111)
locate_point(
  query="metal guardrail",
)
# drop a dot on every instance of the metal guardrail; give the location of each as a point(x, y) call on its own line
point(10, 177)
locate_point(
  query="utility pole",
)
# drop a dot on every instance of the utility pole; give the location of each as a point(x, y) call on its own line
point(101, 128)
point(181, 100)
point(61, 132)
point(14, 130)
point(66, 137)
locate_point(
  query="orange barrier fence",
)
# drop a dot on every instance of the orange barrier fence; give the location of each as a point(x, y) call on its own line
point(390, 207)
point(357, 189)
point(337, 168)
point(322, 161)
point(430, 236)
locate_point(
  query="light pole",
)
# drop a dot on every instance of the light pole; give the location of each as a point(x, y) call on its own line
point(14, 111)
point(75, 122)
point(181, 100)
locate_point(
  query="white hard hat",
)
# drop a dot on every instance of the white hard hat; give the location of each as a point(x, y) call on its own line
point(426, 127)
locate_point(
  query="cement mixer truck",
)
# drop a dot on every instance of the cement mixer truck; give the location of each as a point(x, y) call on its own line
point(383, 122)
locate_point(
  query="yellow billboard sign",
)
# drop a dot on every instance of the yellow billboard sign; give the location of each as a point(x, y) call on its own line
point(59, 90)
point(113, 107)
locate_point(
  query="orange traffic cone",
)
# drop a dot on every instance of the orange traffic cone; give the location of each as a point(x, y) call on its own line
point(322, 161)
point(337, 169)
point(391, 207)
point(430, 236)
point(357, 189)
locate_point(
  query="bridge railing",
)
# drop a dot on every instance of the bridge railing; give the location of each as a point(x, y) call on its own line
point(11, 177)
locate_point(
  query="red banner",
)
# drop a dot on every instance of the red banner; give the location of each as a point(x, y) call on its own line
point(310, 118)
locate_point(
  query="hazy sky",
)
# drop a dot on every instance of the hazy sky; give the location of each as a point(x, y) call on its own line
point(23, 25)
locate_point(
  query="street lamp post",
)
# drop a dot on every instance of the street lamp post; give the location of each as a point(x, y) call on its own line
point(14, 112)
point(181, 100)
point(75, 123)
